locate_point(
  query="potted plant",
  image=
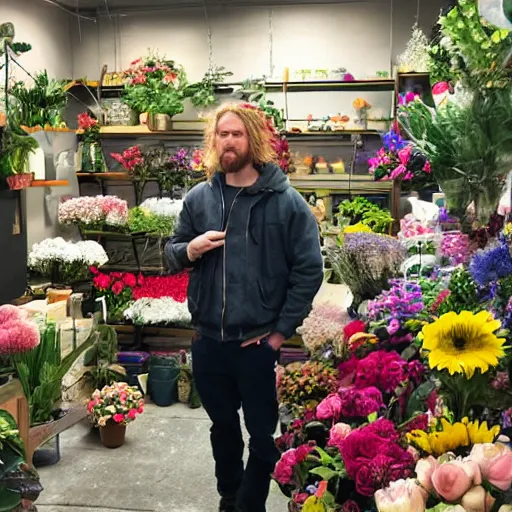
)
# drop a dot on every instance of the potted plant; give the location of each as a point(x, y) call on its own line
point(135, 164)
point(154, 88)
point(15, 152)
point(112, 408)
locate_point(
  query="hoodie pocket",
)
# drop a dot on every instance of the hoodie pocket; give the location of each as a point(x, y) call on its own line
point(273, 294)
point(194, 290)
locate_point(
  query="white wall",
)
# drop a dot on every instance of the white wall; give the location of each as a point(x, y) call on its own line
point(362, 36)
point(47, 29)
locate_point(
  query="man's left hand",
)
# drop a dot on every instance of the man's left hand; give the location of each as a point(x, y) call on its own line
point(276, 340)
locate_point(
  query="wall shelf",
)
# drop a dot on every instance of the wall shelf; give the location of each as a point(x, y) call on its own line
point(144, 131)
point(49, 183)
point(383, 84)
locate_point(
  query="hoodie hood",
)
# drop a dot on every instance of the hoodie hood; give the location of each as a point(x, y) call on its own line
point(272, 179)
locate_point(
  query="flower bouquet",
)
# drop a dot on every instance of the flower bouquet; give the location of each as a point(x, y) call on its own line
point(361, 106)
point(65, 262)
point(398, 160)
point(112, 408)
point(90, 152)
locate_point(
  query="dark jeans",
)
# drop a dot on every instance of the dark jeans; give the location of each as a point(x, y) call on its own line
point(228, 376)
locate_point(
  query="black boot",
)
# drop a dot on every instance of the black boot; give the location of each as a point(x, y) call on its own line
point(227, 504)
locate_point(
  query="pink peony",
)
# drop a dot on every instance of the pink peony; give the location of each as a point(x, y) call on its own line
point(453, 479)
point(360, 403)
point(402, 495)
point(424, 470)
point(329, 408)
point(495, 462)
point(477, 499)
point(338, 434)
point(381, 369)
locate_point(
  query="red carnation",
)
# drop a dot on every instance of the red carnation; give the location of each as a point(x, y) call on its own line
point(130, 280)
point(117, 287)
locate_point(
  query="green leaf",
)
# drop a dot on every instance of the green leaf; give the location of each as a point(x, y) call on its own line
point(372, 417)
point(329, 500)
point(325, 458)
point(9, 500)
point(324, 473)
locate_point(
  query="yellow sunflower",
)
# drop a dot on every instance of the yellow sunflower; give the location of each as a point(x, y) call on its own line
point(453, 436)
point(463, 342)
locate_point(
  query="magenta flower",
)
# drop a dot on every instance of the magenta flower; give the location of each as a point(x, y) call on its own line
point(329, 408)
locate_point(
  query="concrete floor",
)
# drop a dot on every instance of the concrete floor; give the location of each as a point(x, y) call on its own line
point(165, 466)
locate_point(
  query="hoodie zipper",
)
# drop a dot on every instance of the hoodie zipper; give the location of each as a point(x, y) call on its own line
point(224, 261)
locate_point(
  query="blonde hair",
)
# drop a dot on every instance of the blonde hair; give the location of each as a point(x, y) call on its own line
point(259, 134)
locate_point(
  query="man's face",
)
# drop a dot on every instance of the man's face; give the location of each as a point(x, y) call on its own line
point(232, 143)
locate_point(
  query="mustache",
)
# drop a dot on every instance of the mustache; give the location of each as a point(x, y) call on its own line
point(230, 150)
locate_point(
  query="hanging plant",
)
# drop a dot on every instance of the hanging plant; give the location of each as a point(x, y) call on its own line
point(415, 56)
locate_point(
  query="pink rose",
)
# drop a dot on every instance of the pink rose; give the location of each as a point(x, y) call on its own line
point(118, 418)
point(424, 470)
point(132, 414)
point(338, 434)
point(329, 408)
point(495, 461)
point(477, 499)
point(401, 495)
point(453, 479)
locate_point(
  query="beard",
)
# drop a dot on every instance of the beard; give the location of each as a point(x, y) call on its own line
point(232, 162)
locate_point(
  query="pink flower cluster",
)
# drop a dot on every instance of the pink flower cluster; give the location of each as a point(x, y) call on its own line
point(410, 227)
point(17, 333)
point(86, 122)
point(94, 210)
point(129, 158)
point(456, 247)
point(374, 457)
point(350, 403)
point(142, 69)
point(381, 369)
point(284, 470)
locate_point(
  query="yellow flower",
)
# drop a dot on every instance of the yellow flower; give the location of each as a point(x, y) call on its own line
point(357, 228)
point(313, 504)
point(452, 436)
point(463, 343)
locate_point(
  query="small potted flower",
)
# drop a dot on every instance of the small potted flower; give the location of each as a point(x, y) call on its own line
point(112, 408)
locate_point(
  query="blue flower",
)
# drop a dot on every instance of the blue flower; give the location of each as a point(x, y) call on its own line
point(487, 266)
point(393, 141)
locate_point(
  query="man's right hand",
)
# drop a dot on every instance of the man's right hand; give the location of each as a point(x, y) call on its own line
point(205, 243)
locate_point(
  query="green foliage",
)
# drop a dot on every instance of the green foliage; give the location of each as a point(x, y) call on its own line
point(255, 94)
point(39, 105)
point(469, 147)
point(103, 356)
point(143, 221)
point(362, 210)
point(202, 94)
point(476, 48)
point(16, 150)
point(463, 294)
point(41, 372)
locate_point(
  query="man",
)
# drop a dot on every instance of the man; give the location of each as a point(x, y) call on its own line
point(253, 246)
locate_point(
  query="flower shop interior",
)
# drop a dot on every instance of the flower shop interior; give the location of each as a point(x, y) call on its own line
point(395, 390)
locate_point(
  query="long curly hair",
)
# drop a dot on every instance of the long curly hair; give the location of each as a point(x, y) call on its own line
point(260, 136)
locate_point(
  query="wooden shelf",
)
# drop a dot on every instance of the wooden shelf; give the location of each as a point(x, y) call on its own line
point(144, 131)
point(342, 182)
point(383, 84)
point(50, 183)
point(110, 175)
point(336, 133)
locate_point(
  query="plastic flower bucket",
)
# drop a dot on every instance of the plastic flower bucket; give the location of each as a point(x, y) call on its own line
point(162, 381)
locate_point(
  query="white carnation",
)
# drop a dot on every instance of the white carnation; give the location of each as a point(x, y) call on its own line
point(158, 311)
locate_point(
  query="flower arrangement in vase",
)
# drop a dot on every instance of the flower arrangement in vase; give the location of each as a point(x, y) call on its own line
point(361, 106)
point(112, 408)
point(92, 159)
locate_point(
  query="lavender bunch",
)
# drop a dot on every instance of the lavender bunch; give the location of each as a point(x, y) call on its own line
point(365, 262)
point(489, 265)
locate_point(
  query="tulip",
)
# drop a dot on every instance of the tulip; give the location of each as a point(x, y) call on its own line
point(477, 499)
point(401, 496)
point(453, 479)
point(424, 471)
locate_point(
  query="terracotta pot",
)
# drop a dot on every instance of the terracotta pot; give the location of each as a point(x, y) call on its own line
point(112, 435)
point(20, 181)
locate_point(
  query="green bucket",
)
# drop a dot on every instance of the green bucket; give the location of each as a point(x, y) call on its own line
point(162, 384)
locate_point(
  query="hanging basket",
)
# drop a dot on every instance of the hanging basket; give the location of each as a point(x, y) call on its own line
point(20, 181)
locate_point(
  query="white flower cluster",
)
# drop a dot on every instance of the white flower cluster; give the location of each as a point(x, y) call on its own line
point(164, 206)
point(57, 249)
point(158, 311)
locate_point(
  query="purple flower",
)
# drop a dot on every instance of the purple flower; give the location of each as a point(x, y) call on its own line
point(393, 141)
point(489, 265)
point(404, 300)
